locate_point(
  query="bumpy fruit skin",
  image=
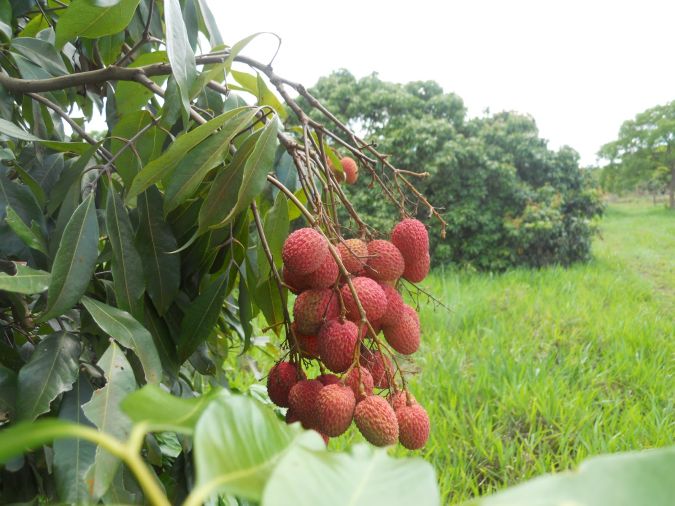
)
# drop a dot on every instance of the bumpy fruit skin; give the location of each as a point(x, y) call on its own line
point(291, 417)
point(328, 379)
point(411, 238)
point(304, 251)
point(377, 421)
point(385, 262)
point(309, 346)
point(350, 169)
point(311, 307)
point(302, 401)
point(414, 426)
point(360, 381)
point(337, 342)
point(378, 365)
point(370, 294)
point(295, 282)
point(404, 336)
point(335, 409)
point(280, 380)
point(416, 271)
point(354, 254)
point(324, 277)
point(400, 399)
point(394, 311)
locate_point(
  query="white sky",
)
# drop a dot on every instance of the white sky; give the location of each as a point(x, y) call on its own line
point(580, 68)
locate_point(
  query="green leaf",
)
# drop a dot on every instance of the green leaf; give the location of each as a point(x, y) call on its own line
point(167, 162)
point(75, 260)
point(11, 130)
point(104, 411)
point(34, 186)
point(256, 86)
point(366, 476)
point(82, 19)
point(275, 226)
point(31, 236)
point(201, 317)
point(132, 96)
point(122, 327)
point(73, 457)
point(238, 442)
point(268, 299)
point(164, 411)
point(127, 268)
point(210, 24)
point(7, 394)
point(154, 242)
point(207, 155)
point(52, 369)
point(41, 53)
point(26, 280)
point(180, 53)
point(623, 479)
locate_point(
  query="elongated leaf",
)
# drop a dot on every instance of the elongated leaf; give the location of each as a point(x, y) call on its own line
point(7, 394)
point(161, 409)
point(82, 19)
point(73, 457)
point(275, 226)
point(11, 130)
point(34, 186)
point(237, 444)
point(122, 327)
point(26, 280)
point(51, 370)
point(201, 317)
point(31, 236)
point(132, 96)
point(215, 38)
point(163, 166)
point(104, 411)
point(624, 479)
point(180, 53)
point(41, 53)
point(75, 260)
point(185, 180)
point(255, 172)
point(154, 242)
point(127, 267)
point(268, 299)
point(256, 85)
point(366, 476)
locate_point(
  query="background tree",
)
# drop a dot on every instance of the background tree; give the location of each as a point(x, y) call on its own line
point(644, 153)
point(507, 198)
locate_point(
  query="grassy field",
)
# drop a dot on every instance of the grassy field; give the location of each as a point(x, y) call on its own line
point(533, 371)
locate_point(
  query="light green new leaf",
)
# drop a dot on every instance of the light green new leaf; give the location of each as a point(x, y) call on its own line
point(201, 317)
point(26, 280)
point(104, 411)
point(164, 411)
point(162, 166)
point(82, 19)
point(191, 171)
point(75, 260)
point(624, 479)
point(127, 267)
point(31, 236)
point(238, 442)
point(73, 457)
point(52, 369)
point(180, 53)
point(155, 242)
point(367, 476)
point(122, 327)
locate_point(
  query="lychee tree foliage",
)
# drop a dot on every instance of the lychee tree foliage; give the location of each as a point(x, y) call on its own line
point(136, 253)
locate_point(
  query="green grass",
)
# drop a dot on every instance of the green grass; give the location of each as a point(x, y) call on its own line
point(533, 371)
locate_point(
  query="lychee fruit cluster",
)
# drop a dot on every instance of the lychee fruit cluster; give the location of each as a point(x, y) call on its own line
point(354, 323)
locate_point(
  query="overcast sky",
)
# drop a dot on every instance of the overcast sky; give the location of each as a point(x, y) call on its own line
point(580, 68)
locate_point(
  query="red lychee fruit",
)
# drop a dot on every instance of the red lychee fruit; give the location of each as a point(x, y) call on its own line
point(385, 262)
point(280, 380)
point(350, 169)
point(404, 336)
point(291, 417)
point(379, 365)
point(335, 409)
point(295, 282)
point(304, 251)
point(302, 401)
point(410, 236)
point(395, 305)
point(400, 399)
point(377, 421)
point(365, 331)
point(354, 253)
point(312, 307)
point(328, 379)
point(325, 276)
point(360, 381)
point(372, 298)
point(309, 346)
point(337, 342)
point(415, 271)
point(414, 426)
